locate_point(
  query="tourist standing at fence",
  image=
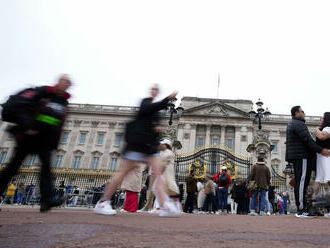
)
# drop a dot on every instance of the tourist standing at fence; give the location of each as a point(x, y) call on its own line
point(223, 180)
point(323, 139)
point(191, 188)
point(132, 186)
point(39, 115)
point(20, 193)
point(260, 174)
point(168, 157)
point(142, 137)
point(210, 196)
point(201, 195)
point(10, 195)
point(300, 151)
point(150, 195)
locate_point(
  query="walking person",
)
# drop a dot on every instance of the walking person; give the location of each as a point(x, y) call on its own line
point(142, 137)
point(300, 151)
point(39, 115)
point(191, 186)
point(168, 157)
point(261, 175)
point(223, 180)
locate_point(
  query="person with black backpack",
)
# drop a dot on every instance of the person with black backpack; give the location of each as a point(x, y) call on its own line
point(223, 180)
point(39, 115)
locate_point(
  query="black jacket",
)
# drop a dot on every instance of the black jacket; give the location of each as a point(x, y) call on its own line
point(323, 143)
point(44, 111)
point(140, 134)
point(191, 184)
point(299, 142)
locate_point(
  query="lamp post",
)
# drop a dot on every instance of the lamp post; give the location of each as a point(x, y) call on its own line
point(173, 110)
point(260, 114)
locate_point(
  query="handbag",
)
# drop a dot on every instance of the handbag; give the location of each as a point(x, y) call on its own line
point(252, 186)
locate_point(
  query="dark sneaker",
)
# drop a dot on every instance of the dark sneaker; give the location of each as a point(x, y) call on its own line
point(46, 206)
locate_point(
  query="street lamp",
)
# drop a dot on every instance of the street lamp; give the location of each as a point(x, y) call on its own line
point(173, 110)
point(260, 114)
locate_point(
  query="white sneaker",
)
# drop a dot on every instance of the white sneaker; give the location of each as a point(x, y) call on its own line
point(169, 210)
point(305, 215)
point(327, 215)
point(104, 208)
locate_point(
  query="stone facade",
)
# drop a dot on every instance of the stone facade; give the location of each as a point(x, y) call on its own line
point(93, 134)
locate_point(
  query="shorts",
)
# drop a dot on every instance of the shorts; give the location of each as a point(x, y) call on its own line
point(138, 156)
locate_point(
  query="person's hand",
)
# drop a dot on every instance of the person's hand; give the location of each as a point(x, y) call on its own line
point(325, 152)
point(173, 95)
point(31, 132)
point(159, 129)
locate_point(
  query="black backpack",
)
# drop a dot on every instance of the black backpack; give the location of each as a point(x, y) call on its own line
point(15, 102)
point(223, 179)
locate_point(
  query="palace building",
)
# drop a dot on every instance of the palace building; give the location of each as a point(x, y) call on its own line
point(93, 135)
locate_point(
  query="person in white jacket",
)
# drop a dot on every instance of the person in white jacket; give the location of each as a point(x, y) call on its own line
point(169, 171)
point(201, 196)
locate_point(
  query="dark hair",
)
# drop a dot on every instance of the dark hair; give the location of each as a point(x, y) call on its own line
point(294, 110)
point(326, 120)
point(261, 159)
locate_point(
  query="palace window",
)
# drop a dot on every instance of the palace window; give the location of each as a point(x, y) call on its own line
point(3, 156)
point(95, 163)
point(58, 161)
point(200, 142)
point(64, 138)
point(118, 139)
point(113, 164)
point(275, 144)
point(76, 162)
point(82, 138)
point(100, 138)
point(32, 160)
point(230, 143)
point(215, 141)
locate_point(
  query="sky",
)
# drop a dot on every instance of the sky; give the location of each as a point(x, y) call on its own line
point(278, 51)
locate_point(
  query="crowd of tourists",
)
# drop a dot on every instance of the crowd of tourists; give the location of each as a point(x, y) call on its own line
point(39, 115)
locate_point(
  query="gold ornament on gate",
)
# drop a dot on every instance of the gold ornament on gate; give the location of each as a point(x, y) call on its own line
point(198, 169)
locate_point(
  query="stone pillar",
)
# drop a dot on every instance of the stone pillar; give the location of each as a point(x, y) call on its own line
point(222, 136)
point(192, 141)
point(208, 135)
point(237, 147)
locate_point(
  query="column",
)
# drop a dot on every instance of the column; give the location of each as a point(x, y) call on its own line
point(237, 147)
point(208, 135)
point(192, 137)
point(223, 134)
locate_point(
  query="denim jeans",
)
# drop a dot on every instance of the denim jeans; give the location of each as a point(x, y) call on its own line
point(20, 198)
point(254, 203)
point(268, 205)
point(209, 199)
point(223, 197)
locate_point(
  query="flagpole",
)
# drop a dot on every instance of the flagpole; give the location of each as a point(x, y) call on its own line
point(218, 85)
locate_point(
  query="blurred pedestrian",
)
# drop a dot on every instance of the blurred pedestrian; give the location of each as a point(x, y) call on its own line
point(39, 115)
point(142, 141)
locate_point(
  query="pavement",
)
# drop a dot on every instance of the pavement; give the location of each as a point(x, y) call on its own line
point(27, 227)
